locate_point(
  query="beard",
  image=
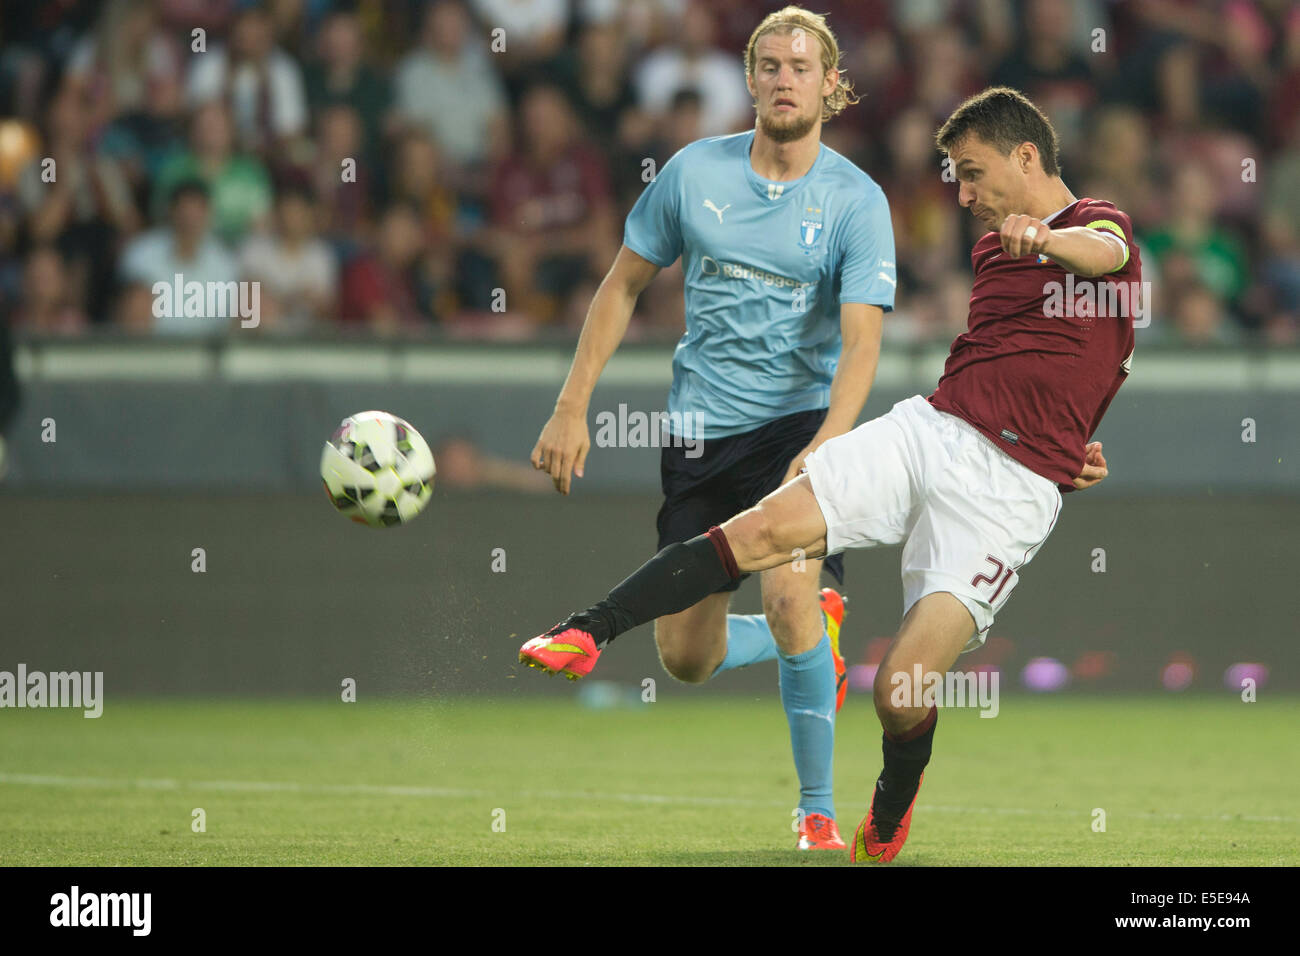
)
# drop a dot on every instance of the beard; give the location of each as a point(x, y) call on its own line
point(786, 130)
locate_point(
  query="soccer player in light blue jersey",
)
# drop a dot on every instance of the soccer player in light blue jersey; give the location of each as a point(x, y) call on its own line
point(788, 257)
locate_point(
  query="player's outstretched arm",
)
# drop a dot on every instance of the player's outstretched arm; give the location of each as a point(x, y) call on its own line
point(562, 447)
point(1077, 249)
point(1094, 467)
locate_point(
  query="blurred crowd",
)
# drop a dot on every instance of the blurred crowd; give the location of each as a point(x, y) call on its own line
point(466, 165)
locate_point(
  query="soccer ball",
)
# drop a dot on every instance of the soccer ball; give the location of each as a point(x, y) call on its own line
point(377, 469)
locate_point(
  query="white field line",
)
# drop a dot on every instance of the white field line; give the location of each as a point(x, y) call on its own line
point(389, 790)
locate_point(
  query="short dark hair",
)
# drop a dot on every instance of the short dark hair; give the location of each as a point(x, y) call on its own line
point(1004, 118)
point(686, 98)
point(296, 187)
point(189, 186)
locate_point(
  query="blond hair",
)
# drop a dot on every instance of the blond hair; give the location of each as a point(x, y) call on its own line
point(795, 20)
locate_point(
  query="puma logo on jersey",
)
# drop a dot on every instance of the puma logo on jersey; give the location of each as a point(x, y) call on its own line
point(708, 204)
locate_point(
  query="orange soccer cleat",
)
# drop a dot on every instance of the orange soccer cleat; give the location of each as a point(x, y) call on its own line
point(564, 649)
point(819, 832)
point(868, 846)
point(833, 607)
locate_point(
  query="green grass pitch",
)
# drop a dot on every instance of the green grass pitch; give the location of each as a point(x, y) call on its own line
point(695, 779)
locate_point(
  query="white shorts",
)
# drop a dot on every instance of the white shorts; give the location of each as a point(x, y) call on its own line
point(969, 516)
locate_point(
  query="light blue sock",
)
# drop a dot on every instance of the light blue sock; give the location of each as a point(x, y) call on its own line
point(749, 641)
point(808, 695)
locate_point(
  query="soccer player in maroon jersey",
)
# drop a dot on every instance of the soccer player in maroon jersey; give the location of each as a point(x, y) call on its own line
point(968, 480)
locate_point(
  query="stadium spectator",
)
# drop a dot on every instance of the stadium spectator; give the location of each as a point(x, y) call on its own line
point(645, 23)
point(142, 140)
point(595, 77)
point(1199, 319)
point(46, 305)
point(939, 63)
point(681, 126)
point(693, 62)
point(260, 83)
point(10, 264)
point(346, 185)
point(457, 266)
point(79, 201)
point(1279, 287)
point(34, 50)
point(212, 16)
point(1046, 67)
point(910, 19)
point(185, 247)
point(532, 30)
point(552, 209)
point(876, 69)
point(655, 138)
point(379, 290)
point(111, 67)
point(1191, 246)
point(295, 24)
point(449, 87)
point(1234, 73)
point(295, 267)
point(735, 19)
point(10, 391)
point(239, 185)
point(329, 91)
point(339, 74)
point(927, 228)
point(418, 179)
point(1119, 153)
point(935, 313)
point(1284, 101)
point(1196, 59)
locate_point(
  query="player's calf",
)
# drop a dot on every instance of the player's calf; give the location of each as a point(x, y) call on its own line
point(931, 638)
point(934, 631)
point(793, 610)
point(682, 575)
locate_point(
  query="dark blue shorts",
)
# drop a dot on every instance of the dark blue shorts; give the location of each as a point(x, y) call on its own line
point(732, 474)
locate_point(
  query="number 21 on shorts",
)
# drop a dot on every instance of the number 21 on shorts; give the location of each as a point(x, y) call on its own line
point(998, 579)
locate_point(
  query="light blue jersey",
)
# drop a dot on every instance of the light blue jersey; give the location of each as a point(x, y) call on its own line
point(767, 266)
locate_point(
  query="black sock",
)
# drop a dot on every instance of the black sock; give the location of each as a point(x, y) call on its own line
point(905, 759)
point(678, 577)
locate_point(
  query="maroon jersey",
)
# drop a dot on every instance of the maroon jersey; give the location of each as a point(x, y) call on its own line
point(1044, 352)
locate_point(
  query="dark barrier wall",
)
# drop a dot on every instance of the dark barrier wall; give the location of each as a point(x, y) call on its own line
point(294, 598)
point(254, 419)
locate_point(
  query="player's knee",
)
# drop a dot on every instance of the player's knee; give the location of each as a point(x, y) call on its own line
point(752, 536)
point(687, 667)
point(682, 656)
point(778, 607)
point(893, 704)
